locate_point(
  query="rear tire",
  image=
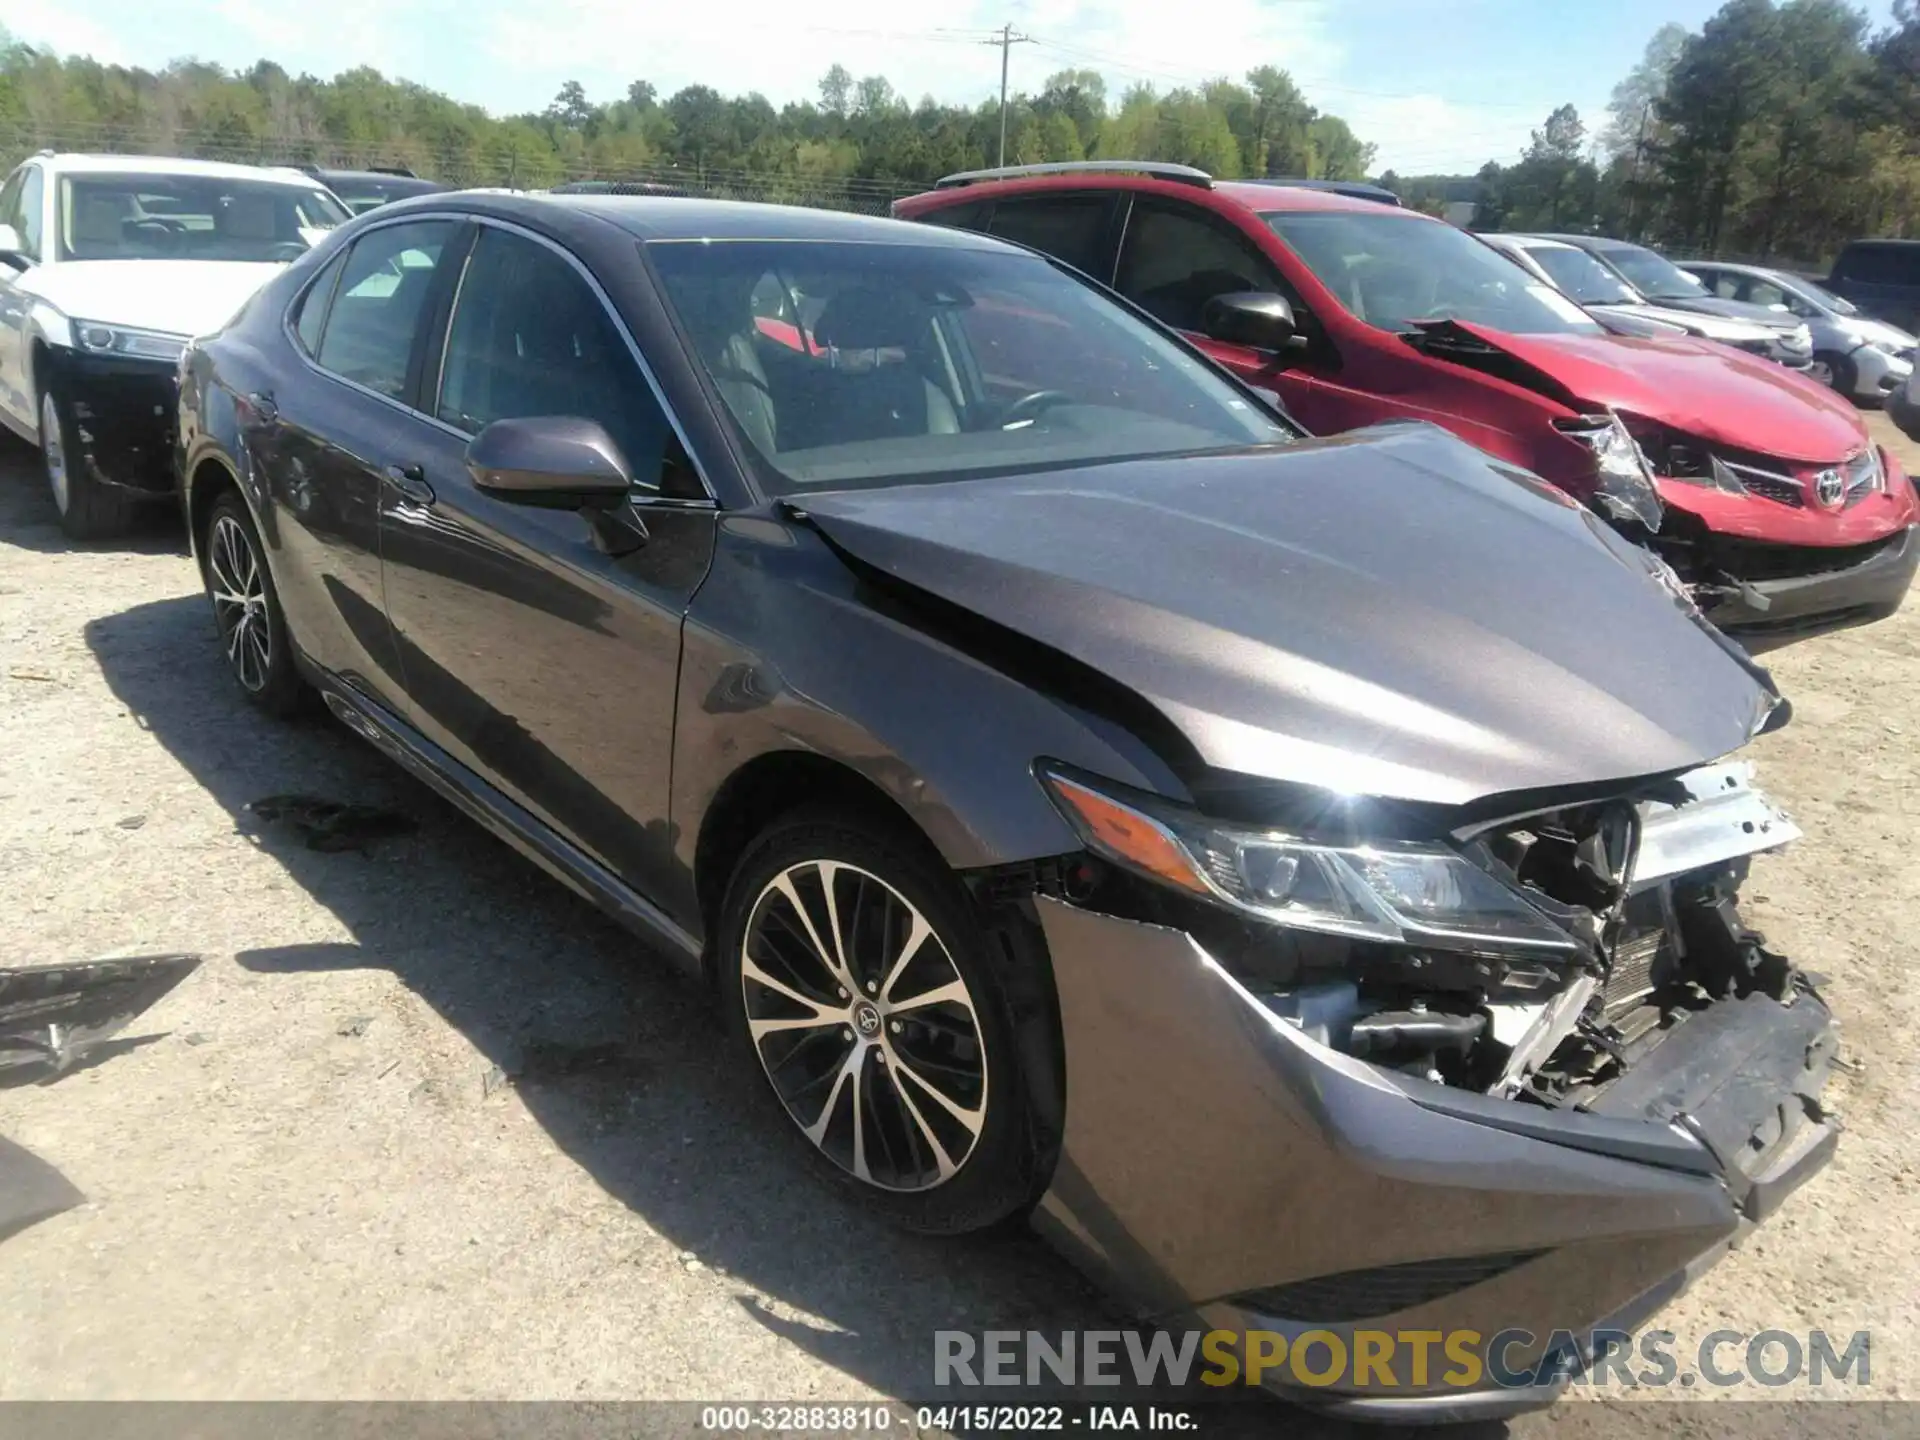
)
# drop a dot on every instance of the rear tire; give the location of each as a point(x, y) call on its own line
point(88, 509)
point(246, 611)
point(915, 1106)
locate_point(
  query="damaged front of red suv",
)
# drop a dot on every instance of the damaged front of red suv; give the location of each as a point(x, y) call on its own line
point(1779, 512)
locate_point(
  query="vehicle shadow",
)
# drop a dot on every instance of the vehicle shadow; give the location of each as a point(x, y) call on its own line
point(621, 1060)
point(31, 523)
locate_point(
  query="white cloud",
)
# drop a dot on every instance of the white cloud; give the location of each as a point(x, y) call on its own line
point(55, 26)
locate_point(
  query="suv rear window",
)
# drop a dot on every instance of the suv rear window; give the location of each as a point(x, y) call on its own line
point(1880, 264)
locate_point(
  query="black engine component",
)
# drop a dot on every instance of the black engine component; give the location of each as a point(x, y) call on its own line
point(1414, 1034)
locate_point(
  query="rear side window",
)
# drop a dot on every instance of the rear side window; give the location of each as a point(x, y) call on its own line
point(971, 216)
point(1175, 260)
point(531, 337)
point(1882, 264)
point(1072, 228)
point(382, 294)
point(313, 306)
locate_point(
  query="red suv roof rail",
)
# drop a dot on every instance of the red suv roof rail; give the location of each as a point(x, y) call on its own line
point(1155, 169)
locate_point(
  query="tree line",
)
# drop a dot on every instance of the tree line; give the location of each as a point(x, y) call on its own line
point(860, 137)
point(1777, 131)
point(1780, 129)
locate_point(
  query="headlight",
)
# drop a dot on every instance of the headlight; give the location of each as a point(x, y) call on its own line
point(1626, 480)
point(99, 339)
point(1395, 891)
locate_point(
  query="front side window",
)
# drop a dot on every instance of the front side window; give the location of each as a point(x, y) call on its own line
point(930, 362)
point(1651, 273)
point(1581, 276)
point(374, 320)
point(531, 337)
point(1176, 259)
point(190, 217)
point(1395, 269)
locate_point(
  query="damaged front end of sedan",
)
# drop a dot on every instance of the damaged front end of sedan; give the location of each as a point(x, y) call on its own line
point(1529, 1073)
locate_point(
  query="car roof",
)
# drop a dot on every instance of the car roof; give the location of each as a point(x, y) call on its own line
point(1589, 242)
point(1526, 241)
point(665, 217)
point(173, 165)
point(1281, 196)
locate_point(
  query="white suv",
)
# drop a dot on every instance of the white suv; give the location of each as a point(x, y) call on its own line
point(109, 264)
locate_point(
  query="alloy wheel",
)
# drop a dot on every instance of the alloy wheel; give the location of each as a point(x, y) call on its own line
point(53, 450)
point(864, 1025)
point(1820, 372)
point(239, 590)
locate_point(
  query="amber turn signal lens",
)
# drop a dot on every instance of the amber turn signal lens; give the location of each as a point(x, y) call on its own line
point(1128, 835)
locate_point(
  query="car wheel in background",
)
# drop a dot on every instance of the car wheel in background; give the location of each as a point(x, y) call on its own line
point(1835, 371)
point(246, 610)
point(88, 509)
point(856, 979)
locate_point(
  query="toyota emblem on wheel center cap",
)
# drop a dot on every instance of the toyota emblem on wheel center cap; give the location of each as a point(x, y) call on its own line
point(866, 1019)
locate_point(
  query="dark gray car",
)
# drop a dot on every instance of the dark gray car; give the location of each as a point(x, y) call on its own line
point(1302, 872)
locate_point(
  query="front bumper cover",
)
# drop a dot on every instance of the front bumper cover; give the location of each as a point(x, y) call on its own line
point(1853, 592)
point(1248, 1158)
point(125, 412)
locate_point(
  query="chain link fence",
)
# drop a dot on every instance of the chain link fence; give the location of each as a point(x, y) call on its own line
point(502, 166)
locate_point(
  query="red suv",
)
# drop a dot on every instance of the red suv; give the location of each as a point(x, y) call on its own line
point(1780, 513)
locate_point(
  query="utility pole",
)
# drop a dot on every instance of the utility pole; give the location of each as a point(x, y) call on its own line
point(1006, 40)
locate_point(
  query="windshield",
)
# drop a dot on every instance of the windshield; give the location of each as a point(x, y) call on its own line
point(868, 364)
point(1392, 269)
point(1582, 276)
point(190, 217)
point(1826, 298)
point(1654, 276)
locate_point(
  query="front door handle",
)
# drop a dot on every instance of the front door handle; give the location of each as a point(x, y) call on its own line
point(411, 482)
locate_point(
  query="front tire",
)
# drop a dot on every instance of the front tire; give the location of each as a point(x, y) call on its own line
point(1843, 376)
point(88, 509)
point(246, 610)
point(857, 983)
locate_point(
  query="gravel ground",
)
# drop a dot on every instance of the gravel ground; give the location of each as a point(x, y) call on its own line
point(424, 1126)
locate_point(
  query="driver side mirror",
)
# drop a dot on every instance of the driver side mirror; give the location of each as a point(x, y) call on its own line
point(11, 250)
point(1255, 318)
point(555, 462)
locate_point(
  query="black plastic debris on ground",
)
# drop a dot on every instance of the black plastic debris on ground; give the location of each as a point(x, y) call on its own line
point(332, 825)
point(52, 1015)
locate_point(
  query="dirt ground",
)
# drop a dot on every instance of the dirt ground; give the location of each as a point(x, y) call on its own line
point(424, 1126)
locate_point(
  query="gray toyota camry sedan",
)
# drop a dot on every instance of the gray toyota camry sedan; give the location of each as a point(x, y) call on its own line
point(1302, 874)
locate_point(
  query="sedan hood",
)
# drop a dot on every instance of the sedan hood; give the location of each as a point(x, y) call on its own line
point(178, 297)
point(1699, 387)
point(1732, 309)
point(1715, 327)
point(1387, 613)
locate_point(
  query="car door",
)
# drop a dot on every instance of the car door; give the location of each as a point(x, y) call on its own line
point(15, 304)
point(542, 649)
point(324, 441)
point(1176, 257)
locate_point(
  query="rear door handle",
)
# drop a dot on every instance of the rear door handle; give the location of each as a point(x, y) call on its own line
point(411, 482)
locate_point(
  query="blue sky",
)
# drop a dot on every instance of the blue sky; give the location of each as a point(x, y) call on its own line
point(1437, 84)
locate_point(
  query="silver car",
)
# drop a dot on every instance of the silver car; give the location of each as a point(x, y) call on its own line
point(1862, 358)
point(1615, 303)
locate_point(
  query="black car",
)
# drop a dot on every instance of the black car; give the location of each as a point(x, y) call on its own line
point(1081, 790)
point(364, 190)
point(1882, 277)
